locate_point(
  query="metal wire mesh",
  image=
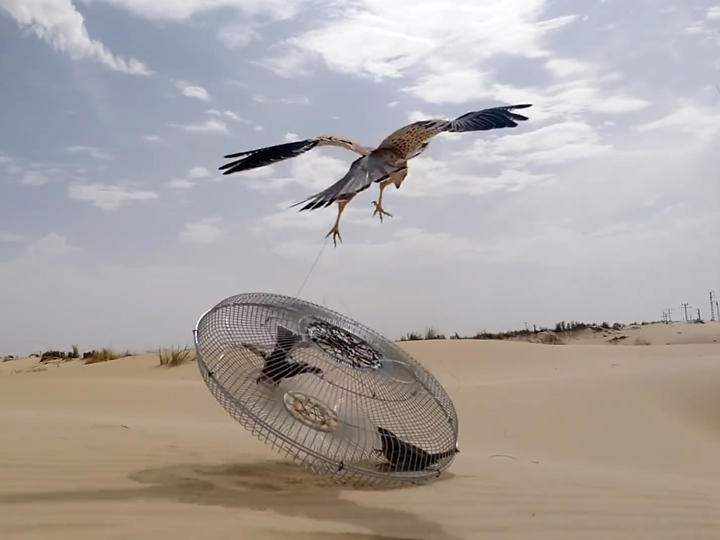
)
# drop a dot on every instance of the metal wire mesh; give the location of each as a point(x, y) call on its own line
point(326, 391)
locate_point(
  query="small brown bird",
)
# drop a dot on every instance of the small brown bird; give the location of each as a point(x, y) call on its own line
point(277, 366)
point(385, 165)
point(404, 456)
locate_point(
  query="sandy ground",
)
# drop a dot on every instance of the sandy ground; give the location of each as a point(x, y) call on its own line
point(557, 442)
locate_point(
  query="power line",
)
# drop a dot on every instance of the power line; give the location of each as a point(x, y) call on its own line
point(685, 305)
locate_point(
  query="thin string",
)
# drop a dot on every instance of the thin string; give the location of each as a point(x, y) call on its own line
point(317, 258)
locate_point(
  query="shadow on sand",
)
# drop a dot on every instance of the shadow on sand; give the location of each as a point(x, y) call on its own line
point(273, 486)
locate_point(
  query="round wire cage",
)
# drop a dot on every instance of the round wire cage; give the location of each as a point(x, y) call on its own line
point(325, 390)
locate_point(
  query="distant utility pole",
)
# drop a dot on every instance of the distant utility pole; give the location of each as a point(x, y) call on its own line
point(527, 328)
point(685, 306)
point(712, 307)
point(699, 317)
point(669, 314)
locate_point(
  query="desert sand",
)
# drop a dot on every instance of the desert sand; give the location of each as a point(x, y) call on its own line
point(601, 441)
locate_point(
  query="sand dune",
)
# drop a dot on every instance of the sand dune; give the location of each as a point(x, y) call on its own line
point(677, 333)
point(557, 442)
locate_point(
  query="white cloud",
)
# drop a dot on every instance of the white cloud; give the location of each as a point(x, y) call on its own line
point(387, 39)
point(688, 119)
point(260, 172)
point(192, 91)
point(398, 244)
point(575, 96)
point(198, 172)
point(392, 104)
point(428, 177)
point(152, 138)
point(180, 183)
point(9, 237)
point(51, 245)
point(713, 13)
point(568, 67)
point(317, 171)
point(287, 218)
point(90, 150)
point(451, 87)
point(108, 197)
point(370, 42)
point(211, 125)
point(549, 145)
point(270, 184)
point(62, 26)
point(33, 178)
point(259, 128)
point(416, 116)
point(227, 114)
point(233, 116)
point(178, 10)
point(290, 136)
point(290, 63)
point(438, 47)
point(288, 100)
point(291, 218)
point(205, 231)
point(237, 36)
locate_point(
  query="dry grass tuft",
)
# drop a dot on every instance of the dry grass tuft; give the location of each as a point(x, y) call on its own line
point(641, 341)
point(175, 356)
point(102, 355)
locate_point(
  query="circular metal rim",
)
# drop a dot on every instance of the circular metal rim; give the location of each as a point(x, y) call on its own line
point(338, 471)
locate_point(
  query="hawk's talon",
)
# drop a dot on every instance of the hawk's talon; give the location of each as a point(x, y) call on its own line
point(335, 235)
point(379, 210)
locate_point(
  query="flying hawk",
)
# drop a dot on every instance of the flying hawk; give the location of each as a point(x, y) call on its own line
point(386, 164)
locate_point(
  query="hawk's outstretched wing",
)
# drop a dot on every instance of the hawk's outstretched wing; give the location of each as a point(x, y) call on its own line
point(497, 117)
point(260, 157)
point(412, 139)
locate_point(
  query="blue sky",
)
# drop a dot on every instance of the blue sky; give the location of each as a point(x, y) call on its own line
point(116, 228)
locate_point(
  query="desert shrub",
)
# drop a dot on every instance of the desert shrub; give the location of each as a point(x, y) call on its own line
point(431, 333)
point(103, 355)
point(641, 341)
point(411, 336)
point(51, 355)
point(175, 356)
